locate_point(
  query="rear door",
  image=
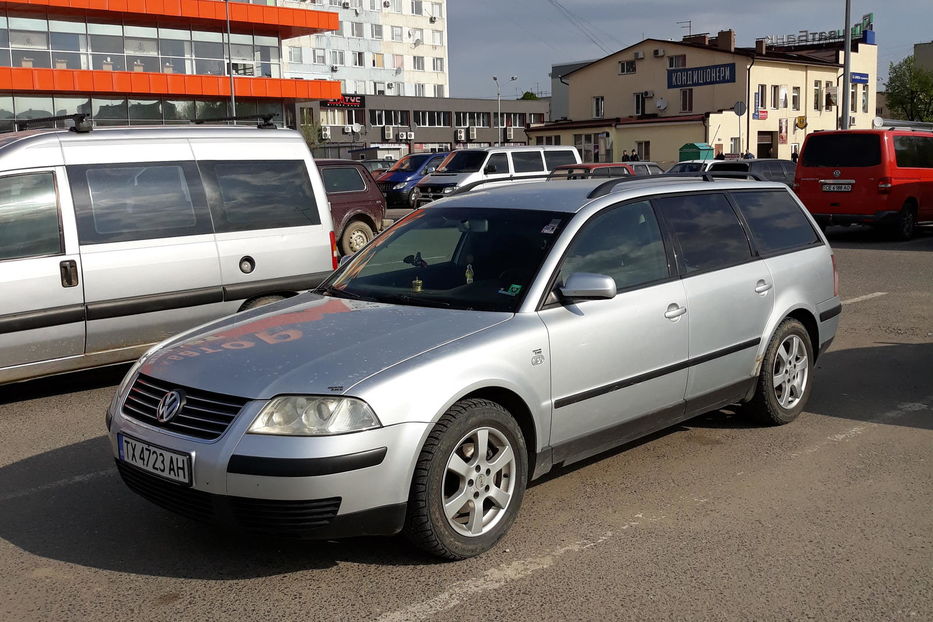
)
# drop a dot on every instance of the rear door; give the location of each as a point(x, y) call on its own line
point(838, 173)
point(41, 293)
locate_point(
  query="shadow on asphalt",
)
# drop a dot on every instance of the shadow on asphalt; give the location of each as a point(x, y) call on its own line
point(858, 237)
point(63, 383)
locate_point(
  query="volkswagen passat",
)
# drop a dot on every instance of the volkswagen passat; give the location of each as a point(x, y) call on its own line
point(473, 347)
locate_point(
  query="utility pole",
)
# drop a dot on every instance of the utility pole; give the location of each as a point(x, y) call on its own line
point(847, 68)
point(230, 63)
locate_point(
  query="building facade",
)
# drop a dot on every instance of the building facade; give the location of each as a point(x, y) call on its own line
point(655, 96)
point(151, 61)
point(394, 126)
point(381, 47)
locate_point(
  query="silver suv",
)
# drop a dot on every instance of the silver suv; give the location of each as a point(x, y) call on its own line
point(476, 345)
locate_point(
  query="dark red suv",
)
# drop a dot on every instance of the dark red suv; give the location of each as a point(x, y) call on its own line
point(356, 204)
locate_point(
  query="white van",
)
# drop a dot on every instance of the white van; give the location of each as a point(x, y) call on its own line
point(117, 238)
point(467, 166)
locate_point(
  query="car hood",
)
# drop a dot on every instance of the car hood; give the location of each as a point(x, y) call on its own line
point(444, 179)
point(398, 177)
point(308, 344)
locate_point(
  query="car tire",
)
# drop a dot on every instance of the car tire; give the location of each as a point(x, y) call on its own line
point(905, 225)
point(785, 380)
point(260, 302)
point(355, 236)
point(451, 474)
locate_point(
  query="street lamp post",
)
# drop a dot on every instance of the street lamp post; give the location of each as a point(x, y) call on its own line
point(230, 62)
point(499, 109)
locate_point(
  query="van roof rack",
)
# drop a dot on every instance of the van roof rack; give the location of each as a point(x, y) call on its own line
point(263, 121)
point(82, 124)
point(607, 186)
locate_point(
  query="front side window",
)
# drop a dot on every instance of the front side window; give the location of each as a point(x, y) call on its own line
point(775, 220)
point(342, 179)
point(460, 258)
point(498, 163)
point(29, 222)
point(707, 233)
point(622, 242)
point(527, 162)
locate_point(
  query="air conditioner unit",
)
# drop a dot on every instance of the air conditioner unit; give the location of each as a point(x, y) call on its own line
point(639, 55)
point(433, 20)
point(388, 132)
point(509, 133)
point(347, 129)
point(390, 86)
point(472, 133)
point(410, 136)
point(647, 94)
point(325, 133)
point(658, 52)
point(460, 135)
point(334, 67)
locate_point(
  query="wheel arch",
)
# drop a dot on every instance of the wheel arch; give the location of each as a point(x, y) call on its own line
point(357, 215)
point(284, 295)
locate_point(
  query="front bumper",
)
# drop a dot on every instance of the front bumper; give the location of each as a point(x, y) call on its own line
point(307, 487)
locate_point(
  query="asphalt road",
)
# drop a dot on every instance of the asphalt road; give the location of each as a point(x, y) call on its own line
point(827, 518)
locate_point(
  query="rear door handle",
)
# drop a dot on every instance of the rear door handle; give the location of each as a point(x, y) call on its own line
point(761, 286)
point(69, 272)
point(674, 311)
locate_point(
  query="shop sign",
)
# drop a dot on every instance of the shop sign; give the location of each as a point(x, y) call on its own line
point(700, 76)
point(805, 37)
point(345, 101)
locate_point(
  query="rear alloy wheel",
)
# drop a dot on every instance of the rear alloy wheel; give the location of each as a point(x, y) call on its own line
point(469, 481)
point(905, 225)
point(356, 235)
point(784, 381)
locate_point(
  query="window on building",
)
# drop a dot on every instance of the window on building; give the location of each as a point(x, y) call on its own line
point(379, 88)
point(294, 54)
point(817, 95)
point(598, 107)
point(536, 117)
point(358, 59)
point(853, 97)
point(432, 118)
point(639, 103)
point(419, 89)
point(398, 61)
point(337, 57)
point(830, 94)
point(440, 90)
point(416, 34)
point(437, 37)
point(795, 98)
point(376, 31)
point(320, 56)
point(378, 60)
point(417, 63)
point(356, 29)
point(438, 64)
point(864, 98)
point(676, 61)
point(437, 9)
point(762, 96)
point(686, 100)
point(783, 96)
point(472, 119)
point(417, 7)
point(395, 6)
point(396, 33)
point(735, 145)
point(775, 96)
point(626, 66)
point(333, 116)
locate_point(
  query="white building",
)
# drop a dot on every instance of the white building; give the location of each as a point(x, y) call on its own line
point(383, 47)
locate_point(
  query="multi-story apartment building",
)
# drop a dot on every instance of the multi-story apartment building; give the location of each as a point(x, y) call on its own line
point(381, 47)
point(151, 61)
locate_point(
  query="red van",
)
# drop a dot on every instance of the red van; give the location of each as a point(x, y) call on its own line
point(877, 177)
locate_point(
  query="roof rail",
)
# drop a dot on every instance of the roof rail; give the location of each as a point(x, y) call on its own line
point(81, 122)
point(263, 121)
point(607, 186)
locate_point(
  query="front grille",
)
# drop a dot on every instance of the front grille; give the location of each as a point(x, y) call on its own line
point(385, 186)
point(289, 518)
point(185, 501)
point(205, 415)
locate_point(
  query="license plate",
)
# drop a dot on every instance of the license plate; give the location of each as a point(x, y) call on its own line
point(837, 188)
point(166, 463)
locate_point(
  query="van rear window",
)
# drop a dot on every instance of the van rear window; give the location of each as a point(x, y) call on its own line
point(914, 151)
point(842, 150)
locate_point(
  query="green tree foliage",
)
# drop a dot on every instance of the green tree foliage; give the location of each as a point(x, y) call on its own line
point(910, 91)
point(528, 95)
point(311, 132)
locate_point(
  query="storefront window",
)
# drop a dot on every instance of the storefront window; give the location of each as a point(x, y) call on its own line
point(72, 105)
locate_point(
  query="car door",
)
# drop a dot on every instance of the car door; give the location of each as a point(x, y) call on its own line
point(347, 192)
point(41, 289)
point(729, 292)
point(614, 361)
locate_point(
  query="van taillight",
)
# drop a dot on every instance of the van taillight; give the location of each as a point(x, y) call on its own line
point(835, 276)
point(333, 250)
point(884, 185)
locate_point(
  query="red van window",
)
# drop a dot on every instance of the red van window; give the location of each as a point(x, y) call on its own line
point(842, 150)
point(914, 151)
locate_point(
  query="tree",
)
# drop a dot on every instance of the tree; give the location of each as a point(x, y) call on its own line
point(528, 95)
point(311, 131)
point(910, 91)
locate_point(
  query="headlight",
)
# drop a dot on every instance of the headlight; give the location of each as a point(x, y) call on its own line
point(448, 189)
point(310, 415)
point(400, 186)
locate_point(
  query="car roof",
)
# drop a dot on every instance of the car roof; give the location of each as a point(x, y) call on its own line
point(522, 148)
point(589, 165)
point(572, 196)
point(336, 161)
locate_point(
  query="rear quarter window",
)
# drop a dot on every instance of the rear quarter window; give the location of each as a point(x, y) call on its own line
point(914, 151)
point(558, 157)
point(776, 221)
point(842, 150)
point(342, 179)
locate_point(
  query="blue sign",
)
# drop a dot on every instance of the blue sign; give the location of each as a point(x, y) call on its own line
point(700, 76)
point(859, 78)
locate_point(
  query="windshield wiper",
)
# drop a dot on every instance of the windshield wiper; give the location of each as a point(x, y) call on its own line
point(424, 302)
point(341, 293)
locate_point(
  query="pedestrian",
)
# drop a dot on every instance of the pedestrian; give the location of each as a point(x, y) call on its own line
point(625, 157)
point(749, 155)
point(720, 156)
point(794, 155)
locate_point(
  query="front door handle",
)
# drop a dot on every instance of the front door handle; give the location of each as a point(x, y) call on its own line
point(674, 311)
point(69, 272)
point(761, 286)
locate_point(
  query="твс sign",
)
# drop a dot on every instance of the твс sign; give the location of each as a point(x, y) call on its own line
point(700, 76)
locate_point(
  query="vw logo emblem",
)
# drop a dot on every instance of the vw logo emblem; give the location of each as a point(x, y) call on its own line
point(170, 405)
point(837, 173)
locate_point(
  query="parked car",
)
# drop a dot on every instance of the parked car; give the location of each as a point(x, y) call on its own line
point(356, 204)
point(398, 182)
point(519, 328)
point(874, 177)
point(691, 166)
point(771, 169)
point(587, 170)
point(507, 164)
point(114, 239)
point(646, 168)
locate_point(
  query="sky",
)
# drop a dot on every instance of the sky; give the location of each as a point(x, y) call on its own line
point(525, 37)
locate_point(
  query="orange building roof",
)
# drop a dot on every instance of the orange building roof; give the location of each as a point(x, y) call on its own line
point(281, 21)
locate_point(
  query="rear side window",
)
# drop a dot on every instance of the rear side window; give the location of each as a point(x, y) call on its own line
point(776, 221)
point(655, 169)
point(618, 171)
point(842, 150)
point(29, 223)
point(640, 169)
point(146, 200)
point(558, 157)
point(706, 231)
point(914, 151)
point(260, 194)
point(741, 167)
point(527, 162)
point(342, 179)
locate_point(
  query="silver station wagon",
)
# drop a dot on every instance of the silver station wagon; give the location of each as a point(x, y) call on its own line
point(474, 346)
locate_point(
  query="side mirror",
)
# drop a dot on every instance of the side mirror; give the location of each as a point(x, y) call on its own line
point(491, 168)
point(430, 170)
point(588, 286)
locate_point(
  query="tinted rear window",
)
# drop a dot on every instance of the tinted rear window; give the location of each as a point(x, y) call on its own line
point(527, 162)
point(776, 221)
point(558, 157)
point(842, 150)
point(914, 151)
point(706, 231)
point(342, 179)
point(729, 166)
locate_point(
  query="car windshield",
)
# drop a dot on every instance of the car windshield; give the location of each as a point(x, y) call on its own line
point(463, 162)
point(459, 258)
point(409, 164)
point(374, 165)
point(842, 150)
